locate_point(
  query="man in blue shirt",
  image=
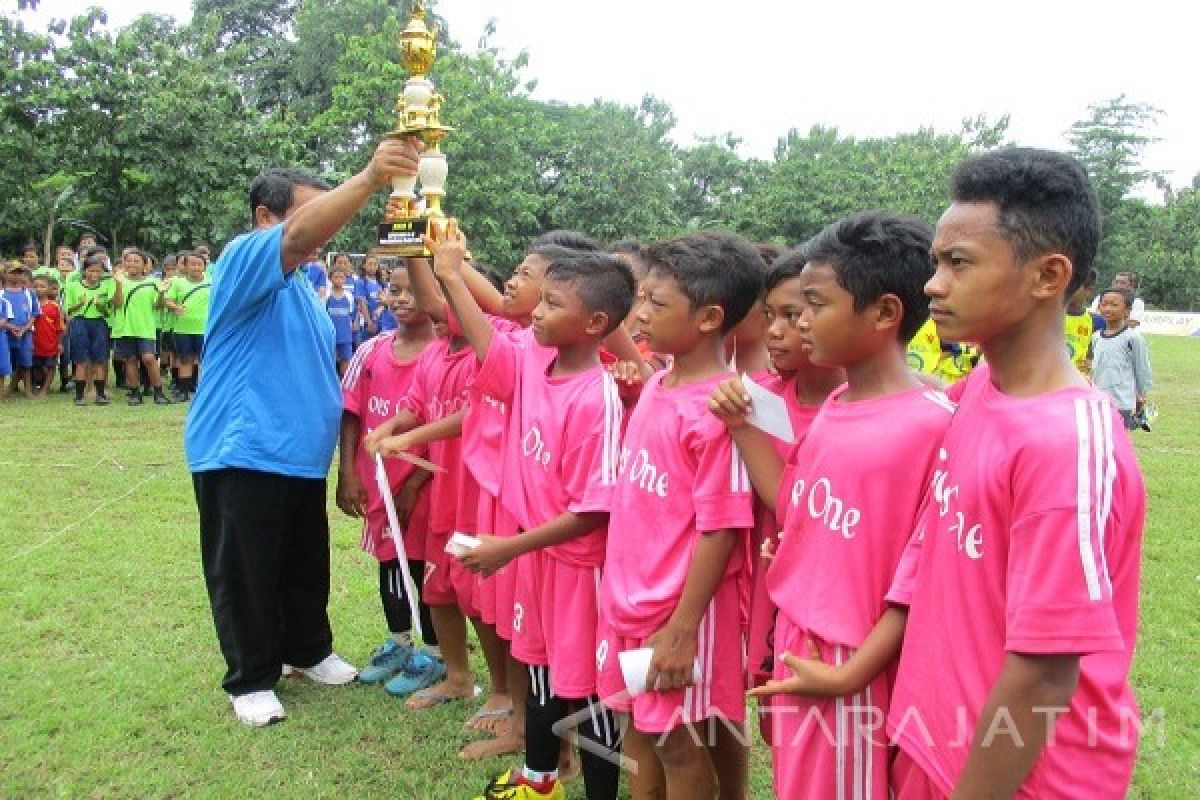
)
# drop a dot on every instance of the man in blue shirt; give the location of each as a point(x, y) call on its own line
point(261, 432)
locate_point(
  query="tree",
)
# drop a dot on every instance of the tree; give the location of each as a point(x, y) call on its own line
point(1111, 142)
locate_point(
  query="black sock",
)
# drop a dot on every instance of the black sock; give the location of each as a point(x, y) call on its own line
point(80, 385)
point(542, 710)
point(99, 388)
point(599, 752)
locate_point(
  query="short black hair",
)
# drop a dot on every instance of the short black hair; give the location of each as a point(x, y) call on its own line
point(94, 258)
point(1045, 200)
point(136, 251)
point(572, 240)
point(787, 266)
point(633, 250)
point(1125, 295)
point(874, 253)
point(276, 187)
point(29, 247)
point(770, 252)
point(1133, 278)
point(602, 281)
point(712, 268)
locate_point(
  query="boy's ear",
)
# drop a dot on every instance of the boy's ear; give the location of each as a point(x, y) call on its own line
point(263, 218)
point(597, 323)
point(1050, 275)
point(889, 312)
point(710, 318)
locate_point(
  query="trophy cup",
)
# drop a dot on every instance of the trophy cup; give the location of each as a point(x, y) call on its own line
point(418, 113)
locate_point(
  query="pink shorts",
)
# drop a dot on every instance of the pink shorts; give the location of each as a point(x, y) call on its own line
point(447, 581)
point(761, 611)
point(495, 597)
point(528, 641)
point(909, 782)
point(559, 606)
point(721, 653)
point(377, 539)
point(827, 747)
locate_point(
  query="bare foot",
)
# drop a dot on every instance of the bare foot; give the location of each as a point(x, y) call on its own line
point(508, 744)
point(444, 692)
point(492, 715)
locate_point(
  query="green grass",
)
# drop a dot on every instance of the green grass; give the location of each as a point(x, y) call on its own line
point(109, 673)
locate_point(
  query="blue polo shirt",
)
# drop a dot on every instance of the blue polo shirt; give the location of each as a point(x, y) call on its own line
point(269, 398)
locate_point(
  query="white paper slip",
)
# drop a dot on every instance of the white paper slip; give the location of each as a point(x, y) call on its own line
point(768, 411)
point(635, 664)
point(460, 544)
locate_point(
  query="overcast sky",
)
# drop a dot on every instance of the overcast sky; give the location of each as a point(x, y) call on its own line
point(760, 67)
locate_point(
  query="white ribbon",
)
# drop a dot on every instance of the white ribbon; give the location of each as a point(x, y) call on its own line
point(410, 588)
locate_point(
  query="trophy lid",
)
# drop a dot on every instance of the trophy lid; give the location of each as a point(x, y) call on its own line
point(418, 42)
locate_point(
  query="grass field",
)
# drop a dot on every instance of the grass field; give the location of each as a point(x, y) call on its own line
point(109, 673)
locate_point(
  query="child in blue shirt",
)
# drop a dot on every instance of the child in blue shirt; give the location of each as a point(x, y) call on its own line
point(23, 308)
point(343, 311)
point(5, 359)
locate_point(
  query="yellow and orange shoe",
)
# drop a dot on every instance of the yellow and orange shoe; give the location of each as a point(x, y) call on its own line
point(510, 786)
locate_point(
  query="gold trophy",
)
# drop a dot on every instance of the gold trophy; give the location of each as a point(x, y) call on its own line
point(418, 113)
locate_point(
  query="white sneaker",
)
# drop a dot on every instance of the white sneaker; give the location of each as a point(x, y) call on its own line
point(258, 709)
point(331, 671)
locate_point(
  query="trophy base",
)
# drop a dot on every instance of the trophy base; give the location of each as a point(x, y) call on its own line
point(403, 237)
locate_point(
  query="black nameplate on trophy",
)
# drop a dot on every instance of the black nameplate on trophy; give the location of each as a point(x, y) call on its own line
point(403, 237)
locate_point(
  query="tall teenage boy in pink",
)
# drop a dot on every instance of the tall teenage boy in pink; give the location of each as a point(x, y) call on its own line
point(561, 450)
point(676, 549)
point(848, 502)
point(1023, 584)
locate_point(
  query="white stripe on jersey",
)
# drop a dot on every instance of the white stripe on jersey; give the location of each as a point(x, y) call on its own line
point(1109, 468)
point(355, 367)
point(942, 400)
point(613, 416)
point(1083, 498)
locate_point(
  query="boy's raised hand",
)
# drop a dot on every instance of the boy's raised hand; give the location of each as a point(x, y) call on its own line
point(449, 249)
point(810, 676)
point(730, 403)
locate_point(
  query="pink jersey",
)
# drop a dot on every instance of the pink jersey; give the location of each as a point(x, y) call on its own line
point(758, 607)
point(485, 423)
point(680, 477)
point(849, 499)
point(562, 441)
point(438, 390)
point(372, 389)
point(1030, 543)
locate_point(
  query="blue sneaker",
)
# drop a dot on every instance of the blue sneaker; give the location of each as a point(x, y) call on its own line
point(422, 670)
point(388, 660)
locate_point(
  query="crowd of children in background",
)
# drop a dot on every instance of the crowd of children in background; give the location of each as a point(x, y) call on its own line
point(579, 468)
point(81, 319)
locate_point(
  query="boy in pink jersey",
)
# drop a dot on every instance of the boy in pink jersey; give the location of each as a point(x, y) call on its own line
point(560, 456)
point(803, 386)
point(435, 400)
point(376, 380)
point(1022, 584)
point(847, 503)
point(676, 549)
